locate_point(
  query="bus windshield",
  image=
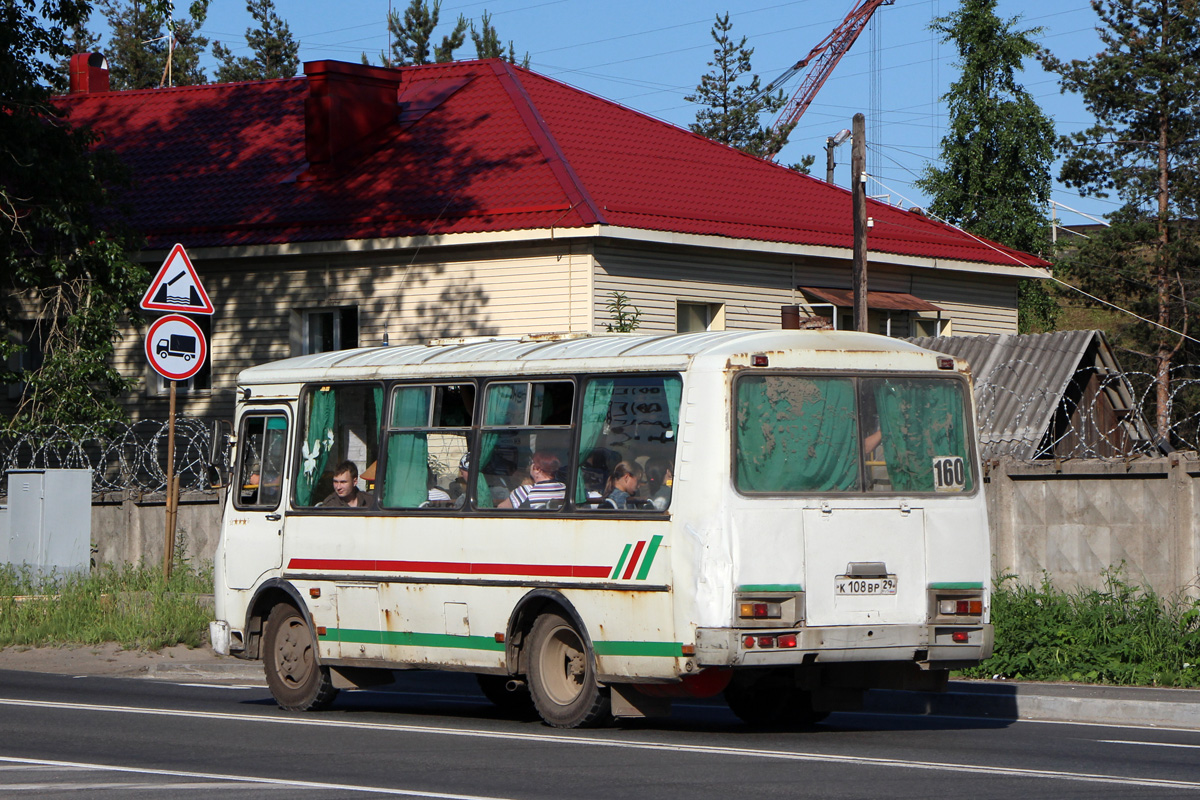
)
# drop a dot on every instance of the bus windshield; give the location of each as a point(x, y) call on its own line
point(803, 433)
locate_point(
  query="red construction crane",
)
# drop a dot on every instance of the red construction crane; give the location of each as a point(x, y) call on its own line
point(824, 58)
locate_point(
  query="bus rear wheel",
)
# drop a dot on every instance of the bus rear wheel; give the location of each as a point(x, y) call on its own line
point(297, 681)
point(562, 676)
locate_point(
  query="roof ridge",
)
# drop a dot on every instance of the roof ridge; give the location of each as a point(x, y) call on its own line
point(547, 144)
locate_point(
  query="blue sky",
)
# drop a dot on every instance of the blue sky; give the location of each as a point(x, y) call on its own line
point(650, 55)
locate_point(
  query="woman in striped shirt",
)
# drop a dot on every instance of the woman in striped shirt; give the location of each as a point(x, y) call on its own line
point(545, 487)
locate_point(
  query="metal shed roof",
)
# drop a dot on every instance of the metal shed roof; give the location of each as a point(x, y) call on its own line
point(1020, 380)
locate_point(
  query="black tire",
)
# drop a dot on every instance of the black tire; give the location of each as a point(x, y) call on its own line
point(771, 701)
point(515, 703)
point(296, 678)
point(562, 676)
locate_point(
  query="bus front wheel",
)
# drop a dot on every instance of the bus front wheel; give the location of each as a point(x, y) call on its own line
point(297, 681)
point(562, 676)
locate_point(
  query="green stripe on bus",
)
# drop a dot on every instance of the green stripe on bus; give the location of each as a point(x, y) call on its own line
point(648, 559)
point(960, 585)
point(771, 587)
point(621, 564)
point(413, 639)
point(660, 649)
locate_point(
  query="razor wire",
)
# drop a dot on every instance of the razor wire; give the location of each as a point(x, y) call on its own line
point(124, 457)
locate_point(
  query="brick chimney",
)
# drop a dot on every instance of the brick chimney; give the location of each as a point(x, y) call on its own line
point(89, 73)
point(349, 107)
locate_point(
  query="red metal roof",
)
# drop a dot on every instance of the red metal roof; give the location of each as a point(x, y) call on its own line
point(474, 146)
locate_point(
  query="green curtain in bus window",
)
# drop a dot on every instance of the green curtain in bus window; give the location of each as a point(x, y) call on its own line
point(499, 409)
point(921, 420)
point(796, 435)
point(596, 399)
point(271, 469)
point(673, 389)
point(377, 394)
point(406, 483)
point(322, 417)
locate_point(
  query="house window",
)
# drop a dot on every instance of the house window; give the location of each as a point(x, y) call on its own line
point(27, 336)
point(692, 317)
point(327, 329)
point(201, 382)
point(927, 327)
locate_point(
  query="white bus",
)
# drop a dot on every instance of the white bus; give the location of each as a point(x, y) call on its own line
point(787, 517)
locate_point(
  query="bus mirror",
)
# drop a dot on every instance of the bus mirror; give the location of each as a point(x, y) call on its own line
point(220, 437)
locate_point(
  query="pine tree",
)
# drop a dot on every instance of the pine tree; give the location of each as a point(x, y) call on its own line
point(995, 175)
point(276, 53)
point(732, 105)
point(412, 36)
point(1143, 89)
point(487, 42)
point(65, 276)
point(141, 36)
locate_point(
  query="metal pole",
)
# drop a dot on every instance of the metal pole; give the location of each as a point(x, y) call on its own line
point(829, 164)
point(169, 535)
point(858, 176)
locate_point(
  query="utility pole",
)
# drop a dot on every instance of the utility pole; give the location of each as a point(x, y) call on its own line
point(858, 178)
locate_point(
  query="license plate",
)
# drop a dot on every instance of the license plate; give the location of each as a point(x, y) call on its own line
point(851, 586)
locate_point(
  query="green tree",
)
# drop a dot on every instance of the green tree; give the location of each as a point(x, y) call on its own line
point(138, 45)
point(276, 52)
point(66, 278)
point(731, 104)
point(994, 178)
point(487, 43)
point(412, 36)
point(1143, 89)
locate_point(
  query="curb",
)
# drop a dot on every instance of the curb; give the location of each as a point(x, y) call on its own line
point(244, 671)
point(1102, 705)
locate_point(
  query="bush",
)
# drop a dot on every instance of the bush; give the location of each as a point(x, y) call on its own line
point(133, 605)
point(1120, 634)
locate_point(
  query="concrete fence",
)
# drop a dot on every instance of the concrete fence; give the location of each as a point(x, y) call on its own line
point(1071, 520)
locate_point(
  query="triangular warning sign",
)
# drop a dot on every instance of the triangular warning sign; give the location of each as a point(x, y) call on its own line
point(177, 287)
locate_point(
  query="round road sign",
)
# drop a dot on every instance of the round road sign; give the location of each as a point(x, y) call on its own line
point(176, 347)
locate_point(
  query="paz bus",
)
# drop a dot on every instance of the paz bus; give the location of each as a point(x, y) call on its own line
point(807, 522)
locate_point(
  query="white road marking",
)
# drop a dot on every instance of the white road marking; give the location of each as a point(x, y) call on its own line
point(629, 744)
point(1151, 744)
point(125, 786)
point(246, 779)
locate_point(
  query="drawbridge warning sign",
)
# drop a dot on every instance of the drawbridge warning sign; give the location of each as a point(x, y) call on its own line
point(177, 287)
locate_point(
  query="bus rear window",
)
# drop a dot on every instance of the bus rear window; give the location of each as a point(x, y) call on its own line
point(801, 433)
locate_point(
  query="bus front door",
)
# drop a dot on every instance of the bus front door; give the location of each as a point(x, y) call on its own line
point(254, 524)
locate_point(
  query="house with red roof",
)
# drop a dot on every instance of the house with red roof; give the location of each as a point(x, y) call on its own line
point(355, 205)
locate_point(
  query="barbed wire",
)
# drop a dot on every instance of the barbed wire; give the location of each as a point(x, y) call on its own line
point(123, 457)
point(1022, 411)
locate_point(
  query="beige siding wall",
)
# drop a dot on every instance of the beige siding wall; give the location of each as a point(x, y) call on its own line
point(752, 289)
point(481, 292)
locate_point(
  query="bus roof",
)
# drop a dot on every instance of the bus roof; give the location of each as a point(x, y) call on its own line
point(548, 353)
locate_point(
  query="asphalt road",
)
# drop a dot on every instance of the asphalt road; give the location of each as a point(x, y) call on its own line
point(435, 736)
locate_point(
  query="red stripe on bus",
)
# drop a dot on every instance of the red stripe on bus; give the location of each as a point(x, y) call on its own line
point(449, 568)
point(633, 559)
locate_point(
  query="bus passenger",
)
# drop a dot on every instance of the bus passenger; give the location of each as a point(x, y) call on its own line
point(623, 484)
point(659, 478)
point(545, 487)
point(345, 489)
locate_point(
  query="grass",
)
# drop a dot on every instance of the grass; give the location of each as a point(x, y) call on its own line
point(133, 605)
point(1120, 634)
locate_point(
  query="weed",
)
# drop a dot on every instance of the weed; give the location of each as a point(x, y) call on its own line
point(1120, 634)
point(133, 605)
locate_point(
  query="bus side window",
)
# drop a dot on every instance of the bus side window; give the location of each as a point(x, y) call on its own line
point(427, 444)
point(526, 431)
point(630, 420)
point(337, 423)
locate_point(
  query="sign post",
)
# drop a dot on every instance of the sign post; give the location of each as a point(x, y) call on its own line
point(177, 349)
